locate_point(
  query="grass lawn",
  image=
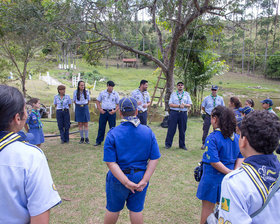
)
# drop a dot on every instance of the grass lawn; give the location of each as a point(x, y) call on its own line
point(79, 175)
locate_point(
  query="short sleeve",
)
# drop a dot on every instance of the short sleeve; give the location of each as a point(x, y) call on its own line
point(133, 94)
point(117, 98)
point(69, 100)
point(54, 100)
point(99, 98)
point(211, 155)
point(171, 99)
point(109, 149)
point(223, 103)
point(155, 153)
point(189, 99)
point(75, 96)
point(40, 191)
point(88, 97)
point(28, 119)
point(233, 206)
point(148, 97)
point(204, 102)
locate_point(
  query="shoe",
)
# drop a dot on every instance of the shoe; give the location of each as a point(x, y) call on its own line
point(87, 141)
point(167, 147)
point(62, 142)
point(184, 147)
point(97, 144)
point(202, 147)
point(67, 142)
point(82, 141)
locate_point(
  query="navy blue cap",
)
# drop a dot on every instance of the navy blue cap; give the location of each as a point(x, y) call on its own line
point(128, 104)
point(246, 110)
point(268, 101)
point(214, 87)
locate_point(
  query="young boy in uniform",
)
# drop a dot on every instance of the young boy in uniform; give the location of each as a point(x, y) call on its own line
point(131, 153)
point(245, 190)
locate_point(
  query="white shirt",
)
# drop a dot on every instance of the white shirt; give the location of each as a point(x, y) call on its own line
point(108, 100)
point(143, 97)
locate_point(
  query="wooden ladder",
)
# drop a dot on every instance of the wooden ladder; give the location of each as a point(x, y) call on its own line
point(159, 102)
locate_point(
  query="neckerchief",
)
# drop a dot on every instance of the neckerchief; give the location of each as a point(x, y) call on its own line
point(178, 95)
point(143, 94)
point(132, 119)
point(214, 100)
point(7, 138)
point(61, 100)
point(36, 112)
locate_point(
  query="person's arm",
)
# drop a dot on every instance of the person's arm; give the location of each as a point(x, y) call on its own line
point(221, 167)
point(114, 111)
point(118, 173)
point(149, 172)
point(238, 163)
point(174, 105)
point(41, 219)
point(203, 109)
point(99, 107)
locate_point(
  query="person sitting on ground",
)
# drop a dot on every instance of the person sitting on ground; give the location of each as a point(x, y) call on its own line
point(27, 192)
point(245, 190)
point(131, 153)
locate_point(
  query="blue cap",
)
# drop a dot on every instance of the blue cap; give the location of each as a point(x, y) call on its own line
point(214, 87)
point(246, 110)
point(268, 101)
point(128, 104)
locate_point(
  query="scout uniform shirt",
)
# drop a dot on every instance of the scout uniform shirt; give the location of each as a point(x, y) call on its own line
point(108, 100)
point(82, 100)
point(62, 103)
point(210, 102)
point(177, 98)
point(143, 97)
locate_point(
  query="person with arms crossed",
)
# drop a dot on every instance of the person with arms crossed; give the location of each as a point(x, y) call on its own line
point(131, 153)
point(143, 101)
point(244, 191)
point(27, 191)
point(62, 103)
point(208, 104)
point(81, 99)
point(109, 100)
point(180, 102)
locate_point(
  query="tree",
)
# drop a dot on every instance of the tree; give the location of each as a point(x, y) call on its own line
point(170, 18)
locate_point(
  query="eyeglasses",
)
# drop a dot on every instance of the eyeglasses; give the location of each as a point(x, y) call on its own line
point(213, 89)
point(180, 85)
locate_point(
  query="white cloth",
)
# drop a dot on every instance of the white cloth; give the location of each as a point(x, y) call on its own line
point(240, 198)
point(26, 185)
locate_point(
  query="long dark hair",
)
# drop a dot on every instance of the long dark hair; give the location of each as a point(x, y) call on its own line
point(11, 103)
point(226, 120)
point(251, 102)
point(78, 91)
point(234, 100)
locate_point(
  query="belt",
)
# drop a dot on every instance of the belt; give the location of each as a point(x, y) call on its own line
point(108, 110)
point(81, 105)
point(128, 171)
point(65, 109)
point(141, 111)
point(179, 111)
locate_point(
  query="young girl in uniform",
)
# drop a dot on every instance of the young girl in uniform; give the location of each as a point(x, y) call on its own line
point(234, 104)
point(81, 100)
point(33, 123)
point(221, 157)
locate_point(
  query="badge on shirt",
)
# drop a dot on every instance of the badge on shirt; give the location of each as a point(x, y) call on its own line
point(225, 204)
point(54, 188)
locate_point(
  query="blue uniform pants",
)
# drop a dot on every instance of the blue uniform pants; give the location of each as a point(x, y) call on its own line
point(206, 126)
point(142, 117)
point(103, 118)
point(180, 119)
point(63, 123)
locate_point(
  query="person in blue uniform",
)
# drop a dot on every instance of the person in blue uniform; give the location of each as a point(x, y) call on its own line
point(62, 103)
point(234, 104)
point(131, 153)
point(267, 105)
point(34, 124)
point(81, 99)
point(222, 155)
point(27, 190)
point(245, 190)
point(250, 103)
point(208, 104)
point(107, 104)
point(180, 102)
point(143, 101)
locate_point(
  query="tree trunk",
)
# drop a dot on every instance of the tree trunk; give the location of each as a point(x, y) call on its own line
point(275, 26)
point(243, 52)
point(255, 42)
point(266, 46)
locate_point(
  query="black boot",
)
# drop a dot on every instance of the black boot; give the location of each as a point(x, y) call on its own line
point(82, 141)
point(87, 141)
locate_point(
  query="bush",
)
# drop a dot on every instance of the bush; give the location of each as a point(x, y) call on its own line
point(273, 65)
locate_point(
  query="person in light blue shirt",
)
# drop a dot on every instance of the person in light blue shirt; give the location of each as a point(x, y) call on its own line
point(131, 153)
point(208, 104)
point(62, 103)
point(27, 190)
point(81, 99)
point(107, 104)
point(180, 102)
point(143, 101)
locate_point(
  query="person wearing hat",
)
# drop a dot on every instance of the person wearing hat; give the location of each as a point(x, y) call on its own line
point(107, 104)
point(143, 101)
point(267, 105)
point(208, 104)
point(131, 153)
point(245, 110)
point(180, 102)
point(62, 104)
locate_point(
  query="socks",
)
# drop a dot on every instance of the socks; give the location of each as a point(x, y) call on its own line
point(86, 133)
point(82, 133)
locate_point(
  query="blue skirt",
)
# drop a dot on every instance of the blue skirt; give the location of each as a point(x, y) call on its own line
point(82, 113)
point(38, 136)
point(209, 188)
